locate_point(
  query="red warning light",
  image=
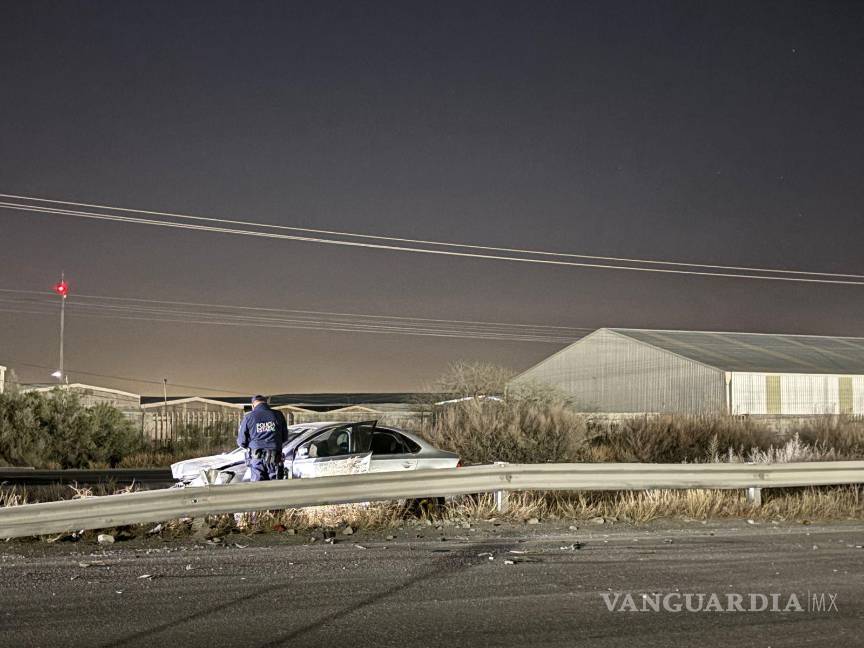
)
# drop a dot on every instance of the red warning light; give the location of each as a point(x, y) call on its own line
point(62, 288)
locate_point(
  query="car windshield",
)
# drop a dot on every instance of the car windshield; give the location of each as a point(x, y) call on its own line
point(293, 435)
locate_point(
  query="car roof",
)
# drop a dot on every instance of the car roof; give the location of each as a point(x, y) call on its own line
point(310, 429)
point(313, 425)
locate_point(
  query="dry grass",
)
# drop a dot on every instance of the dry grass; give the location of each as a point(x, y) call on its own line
point(357, 516)
point(844, 435)
point(17, 495)
point(634, 507)
point(840, 502)
point(676, 439)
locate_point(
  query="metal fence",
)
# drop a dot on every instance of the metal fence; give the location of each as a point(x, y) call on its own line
point(167, 428)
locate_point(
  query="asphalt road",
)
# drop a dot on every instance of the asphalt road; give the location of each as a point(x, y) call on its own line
point(425, 591)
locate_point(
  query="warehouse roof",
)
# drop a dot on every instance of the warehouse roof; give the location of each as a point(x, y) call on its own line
point(759, 352)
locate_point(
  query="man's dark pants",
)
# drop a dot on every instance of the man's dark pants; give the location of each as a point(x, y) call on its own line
point(264, 472)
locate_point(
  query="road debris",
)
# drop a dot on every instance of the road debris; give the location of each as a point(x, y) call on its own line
point(347, 531)
point(572, 547)
point(105, 538)
point(93, 563)
point(533, 520)
point(199, 527)
point(359, 546)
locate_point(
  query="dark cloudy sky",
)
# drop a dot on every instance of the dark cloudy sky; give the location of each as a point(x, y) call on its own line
point(714, 132)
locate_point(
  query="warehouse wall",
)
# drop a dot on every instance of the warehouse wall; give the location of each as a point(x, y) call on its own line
point(797, 394)
point(609, 372)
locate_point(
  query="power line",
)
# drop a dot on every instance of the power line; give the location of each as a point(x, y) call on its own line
point(497, 257)
point(344, 329)
point(294, 310)
point(396, 239)
point(174, 311)
point(174, 315)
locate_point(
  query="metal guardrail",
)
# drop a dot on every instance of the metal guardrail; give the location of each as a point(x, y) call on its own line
point(156, 506)
point(121, 476)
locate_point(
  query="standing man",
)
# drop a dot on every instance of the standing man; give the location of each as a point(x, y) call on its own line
point(262, 432)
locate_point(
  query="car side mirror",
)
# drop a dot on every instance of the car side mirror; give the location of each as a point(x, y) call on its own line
point(302, 453)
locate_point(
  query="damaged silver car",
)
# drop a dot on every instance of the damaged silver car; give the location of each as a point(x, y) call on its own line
point(321, 449)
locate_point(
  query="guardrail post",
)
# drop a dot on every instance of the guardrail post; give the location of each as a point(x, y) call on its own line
point(502, 501)
point(754, 495)
point(502, 497)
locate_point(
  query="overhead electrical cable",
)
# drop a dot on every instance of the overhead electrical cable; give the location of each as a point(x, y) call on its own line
point(76, 297)
point(326, 327)
point(436, 243)
point(270, 315)
point(29, 304)
point(769, 274)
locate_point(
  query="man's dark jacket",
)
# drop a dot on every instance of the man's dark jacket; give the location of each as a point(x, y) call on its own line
point(262, 429)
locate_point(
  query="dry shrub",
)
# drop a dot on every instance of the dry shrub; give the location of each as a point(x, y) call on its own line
point(676, 439)
point(792, 451)
point(472, 379)
point(58, 430)
point(529, 424)
point(516, 430)
point(842, 434)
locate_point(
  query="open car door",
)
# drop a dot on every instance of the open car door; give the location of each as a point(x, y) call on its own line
point(335, 451)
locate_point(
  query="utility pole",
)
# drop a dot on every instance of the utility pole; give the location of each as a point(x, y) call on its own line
point(62, 289)
point(165, 393)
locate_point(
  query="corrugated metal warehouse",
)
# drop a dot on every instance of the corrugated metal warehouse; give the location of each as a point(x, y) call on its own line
point(699, 372)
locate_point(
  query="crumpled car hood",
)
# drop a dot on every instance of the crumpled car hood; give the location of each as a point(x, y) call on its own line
point(193, 467)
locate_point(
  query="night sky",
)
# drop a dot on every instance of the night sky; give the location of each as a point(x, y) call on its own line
point(720, 132)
